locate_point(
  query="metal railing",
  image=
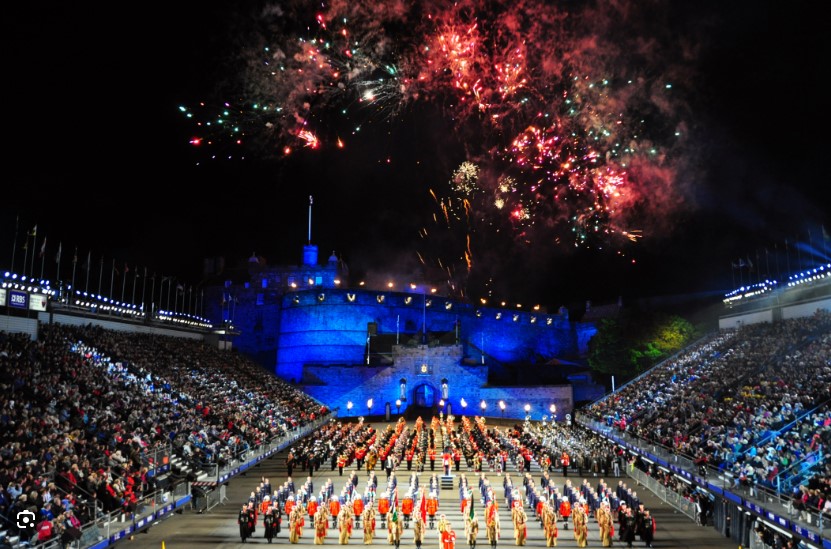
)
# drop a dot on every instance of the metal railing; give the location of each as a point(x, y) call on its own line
point(667, 495)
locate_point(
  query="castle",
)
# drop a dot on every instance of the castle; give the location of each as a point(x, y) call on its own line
point(370, 351)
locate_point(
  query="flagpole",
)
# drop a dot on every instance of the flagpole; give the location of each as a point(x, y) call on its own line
point(758, 270)
point(34, 247)
point(26, 255)
point(133, 299)
point(788, 257)
point(101, 275)
point(14, 246)
point(798, 256)
point(112, 279)
point(74, 265)
point(161, 290)
point(152, 296)
point(776, 257)
point(811, 241)
point(89, 268)
point(123, 282)
point(58, 261)
point(42, 257)
point(143, 287)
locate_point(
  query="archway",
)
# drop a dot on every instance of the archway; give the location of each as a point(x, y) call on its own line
point(424, 396)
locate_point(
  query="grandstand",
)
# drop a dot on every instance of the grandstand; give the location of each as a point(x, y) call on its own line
point(110, 425)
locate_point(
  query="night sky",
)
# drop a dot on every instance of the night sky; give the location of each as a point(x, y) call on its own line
point(612, 149)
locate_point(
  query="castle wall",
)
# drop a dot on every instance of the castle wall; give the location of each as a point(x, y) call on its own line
point(331, 327)
point(424, 365)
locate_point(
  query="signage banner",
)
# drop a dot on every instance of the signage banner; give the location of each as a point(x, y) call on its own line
point(18, 299)
point(37, 302)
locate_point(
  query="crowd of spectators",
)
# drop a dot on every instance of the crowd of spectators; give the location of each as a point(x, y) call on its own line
point(82, 410)
point(754, 402)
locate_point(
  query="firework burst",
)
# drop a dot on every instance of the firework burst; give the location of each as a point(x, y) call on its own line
point(570, 121)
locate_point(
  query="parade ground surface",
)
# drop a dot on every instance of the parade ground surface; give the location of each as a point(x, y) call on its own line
point(218, 526)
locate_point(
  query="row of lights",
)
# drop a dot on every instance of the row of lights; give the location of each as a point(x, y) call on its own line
point(105, 304)
point(483, 405)
point(27, 284)
point(413, 287)
point(753, 290)
point(811, 275)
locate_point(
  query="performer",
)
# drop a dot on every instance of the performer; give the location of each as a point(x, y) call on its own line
point(395, 527)
point(296, 523)
point(549, 522)
point(580, 521)
point(358, 509)
point(492, 526)
point(269, 524)
point(252, 518)
point(321, 523)
point(369, 524)
point(565, 461)
point(312, 508)
point(565, 512)
point(407, 508)
point(629, 531)
point(444, 524)
point(648, 528)
point(520, 520)
point(334, 510)
point(606, 524)
point(432, 507)
point(471, 530)
point(345, 524)
point(242, 520)
point(448, 538)
point(445, 462)
point(289, 505)
point(418, 531)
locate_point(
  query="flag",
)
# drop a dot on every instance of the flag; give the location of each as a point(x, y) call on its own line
point(180, 288)
point(34, 231)
point(470, 499)
point(825, 235)
point(58, 255)
point(126, 268)
point(75, 257)
point(423, 507)
point(43, 247)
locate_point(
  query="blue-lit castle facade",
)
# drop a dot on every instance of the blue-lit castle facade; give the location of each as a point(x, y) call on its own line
point(366, 351)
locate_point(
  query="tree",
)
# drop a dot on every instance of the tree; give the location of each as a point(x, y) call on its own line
point(633, 343)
